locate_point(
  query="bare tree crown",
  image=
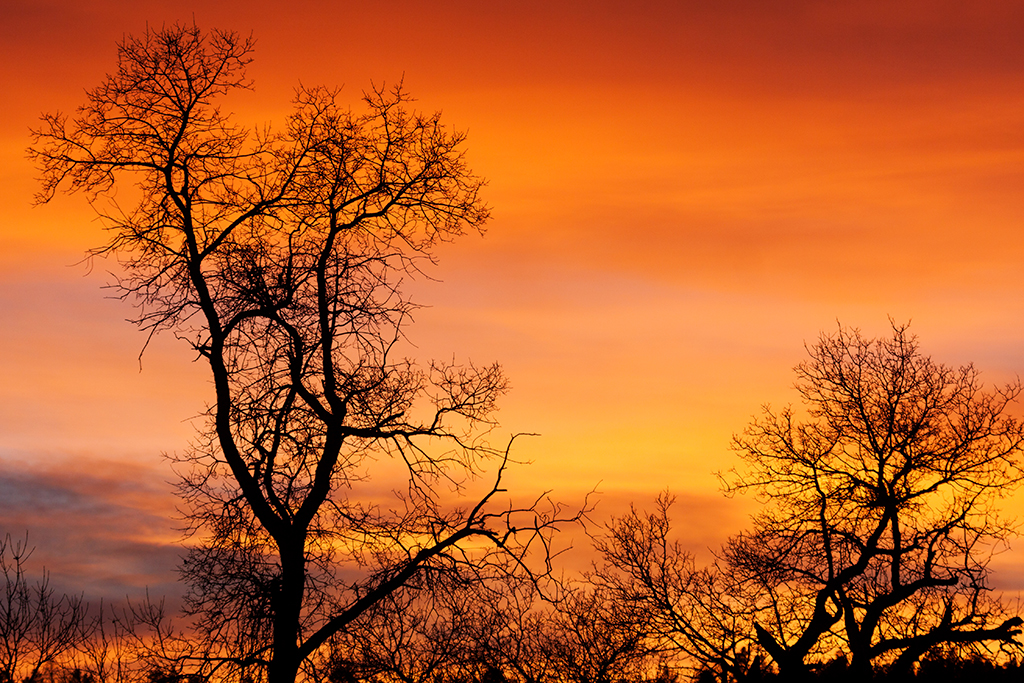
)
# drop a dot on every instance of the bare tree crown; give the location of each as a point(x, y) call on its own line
point(280, 256)
point(881, 506)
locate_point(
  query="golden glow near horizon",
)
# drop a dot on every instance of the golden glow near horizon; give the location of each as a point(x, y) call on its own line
point(683, 194)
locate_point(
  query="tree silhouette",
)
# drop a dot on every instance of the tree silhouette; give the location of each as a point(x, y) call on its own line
point(580, 636)
point(697, 613)
point(417, 634)
point(280, 257)
point(880, 516)
point(38, 627)
point(593, 639)
point(879, 523)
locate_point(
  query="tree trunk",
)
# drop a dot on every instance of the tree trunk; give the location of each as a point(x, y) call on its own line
point(287, 614)
point(791, 665)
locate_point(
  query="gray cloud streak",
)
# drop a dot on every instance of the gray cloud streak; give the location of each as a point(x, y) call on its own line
point(99, 528)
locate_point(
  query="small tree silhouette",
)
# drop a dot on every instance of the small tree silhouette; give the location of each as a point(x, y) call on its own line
point(699, 613)
point(38, 627)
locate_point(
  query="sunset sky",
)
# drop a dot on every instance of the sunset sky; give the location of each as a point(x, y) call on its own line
point(684, 193)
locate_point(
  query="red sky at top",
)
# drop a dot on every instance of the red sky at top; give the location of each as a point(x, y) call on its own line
point(684, 193)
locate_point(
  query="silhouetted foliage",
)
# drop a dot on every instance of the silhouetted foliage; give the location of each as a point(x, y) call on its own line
point(161, 675)
point(947, 664)
point(939, 666)
point(280, 257)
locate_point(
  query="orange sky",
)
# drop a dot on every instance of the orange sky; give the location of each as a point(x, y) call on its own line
point(683, 193)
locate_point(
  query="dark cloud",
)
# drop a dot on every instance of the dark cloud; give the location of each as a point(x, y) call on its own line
point(99, 528)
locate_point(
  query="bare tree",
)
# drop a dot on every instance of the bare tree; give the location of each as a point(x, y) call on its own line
point(593, 639)
point(698, 616)
point(418, 634)
point(511, 627)
point(577, 635)
point(881, 506)
point(280, 257)
point(105, 656)
point(38, 627)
